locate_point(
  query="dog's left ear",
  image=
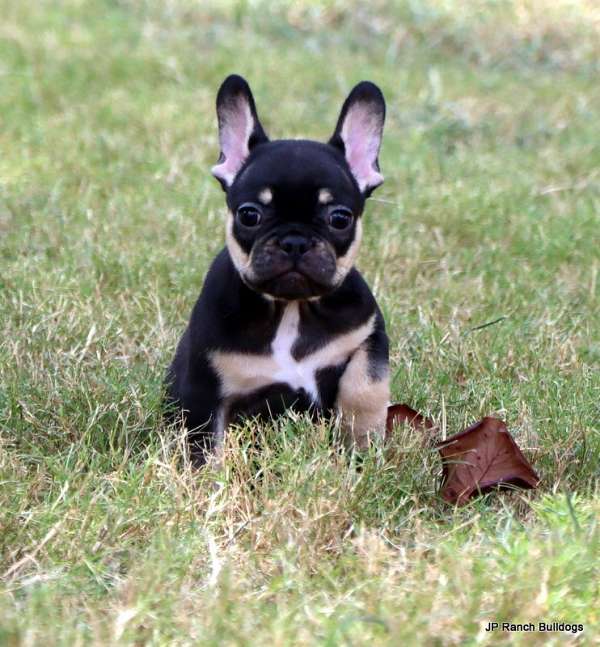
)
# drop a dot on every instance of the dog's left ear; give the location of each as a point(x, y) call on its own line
point(358, 134)
point(239, 128)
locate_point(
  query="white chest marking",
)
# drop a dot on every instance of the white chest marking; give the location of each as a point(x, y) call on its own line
point(298, 375)
point(242, 373)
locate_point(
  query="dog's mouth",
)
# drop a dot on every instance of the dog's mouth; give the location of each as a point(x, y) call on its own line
point(290, 285)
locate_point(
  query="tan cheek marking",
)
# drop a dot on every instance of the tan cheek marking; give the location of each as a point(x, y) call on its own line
point(362, 401)
point(325, 196)
point(346, 262)
point(265, 196)
point(240, 259)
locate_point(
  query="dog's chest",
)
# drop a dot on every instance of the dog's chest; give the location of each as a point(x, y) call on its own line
point(244, 373)
point(286, 369)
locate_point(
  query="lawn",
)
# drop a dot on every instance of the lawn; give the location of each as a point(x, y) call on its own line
point(109, 217)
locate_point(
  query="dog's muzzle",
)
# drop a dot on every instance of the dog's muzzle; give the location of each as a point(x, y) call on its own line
point(293, 266)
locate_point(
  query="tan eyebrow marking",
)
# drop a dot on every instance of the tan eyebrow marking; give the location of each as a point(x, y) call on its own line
point(325, 196)
point(265, 196)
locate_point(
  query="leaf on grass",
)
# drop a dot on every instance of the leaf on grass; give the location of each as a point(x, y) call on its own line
point(480, 458)
point(400, 413)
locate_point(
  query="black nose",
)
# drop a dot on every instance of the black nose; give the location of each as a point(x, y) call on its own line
point(294, 245)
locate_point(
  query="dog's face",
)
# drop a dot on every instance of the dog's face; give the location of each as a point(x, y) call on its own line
point(295, 206)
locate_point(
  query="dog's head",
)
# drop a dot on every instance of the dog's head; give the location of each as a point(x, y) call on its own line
point(294, 221)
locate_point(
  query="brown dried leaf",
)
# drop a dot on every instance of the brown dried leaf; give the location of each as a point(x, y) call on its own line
point(482, 457)
point(399, 413)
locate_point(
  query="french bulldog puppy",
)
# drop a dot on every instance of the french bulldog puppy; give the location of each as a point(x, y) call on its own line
point(284, 319)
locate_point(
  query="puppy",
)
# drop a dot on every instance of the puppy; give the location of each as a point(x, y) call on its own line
point(284, 320)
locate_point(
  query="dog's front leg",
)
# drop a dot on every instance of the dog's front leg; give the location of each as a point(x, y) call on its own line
point(194, 390)
point(364, 391)
point(205, 441)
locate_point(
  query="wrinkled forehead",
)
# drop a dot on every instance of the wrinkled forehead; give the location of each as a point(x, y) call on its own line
point(299, 173)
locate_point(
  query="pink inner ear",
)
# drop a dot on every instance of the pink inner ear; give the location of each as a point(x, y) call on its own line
point(361, 134)
point(236, 128)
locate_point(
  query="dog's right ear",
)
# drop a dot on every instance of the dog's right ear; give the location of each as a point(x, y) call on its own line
point(239, 128)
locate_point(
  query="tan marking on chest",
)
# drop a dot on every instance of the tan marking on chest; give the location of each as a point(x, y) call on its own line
point(243, 373)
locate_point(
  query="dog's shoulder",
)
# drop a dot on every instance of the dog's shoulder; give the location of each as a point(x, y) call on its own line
point(352, 303)
point(228, 314)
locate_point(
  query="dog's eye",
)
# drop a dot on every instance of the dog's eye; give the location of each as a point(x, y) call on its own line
point(248, 215)
point(340, 218)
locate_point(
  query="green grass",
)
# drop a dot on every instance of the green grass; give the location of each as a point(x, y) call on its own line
point(108, 220)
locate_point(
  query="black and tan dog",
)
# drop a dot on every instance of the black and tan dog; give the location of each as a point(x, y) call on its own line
point(284, 319)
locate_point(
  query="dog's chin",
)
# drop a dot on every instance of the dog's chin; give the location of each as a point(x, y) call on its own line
point(291, 286)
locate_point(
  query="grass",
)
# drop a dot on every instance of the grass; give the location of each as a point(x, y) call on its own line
point(108, 220)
